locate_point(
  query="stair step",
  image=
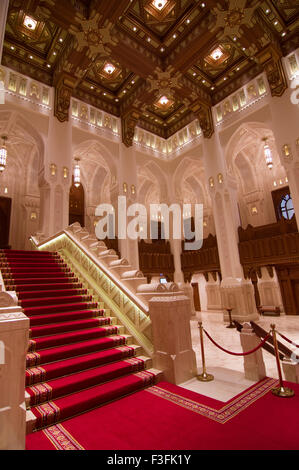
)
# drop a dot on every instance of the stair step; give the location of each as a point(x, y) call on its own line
point(49, 286)
point(76, 382)
point(47, 301)
point(59, 308)
point(32, 295)
point(46, 342)
point(64, 367)
point(86, 400)
point(77, 349)
point(44, 280)
point(64, 327)
point(39, 320)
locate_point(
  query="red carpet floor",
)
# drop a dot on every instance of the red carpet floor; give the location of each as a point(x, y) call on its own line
point(167, 417)
point(76, 355)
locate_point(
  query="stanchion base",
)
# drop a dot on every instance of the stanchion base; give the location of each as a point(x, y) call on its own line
point(204, 377)
point(284, 392)
point(231, 325)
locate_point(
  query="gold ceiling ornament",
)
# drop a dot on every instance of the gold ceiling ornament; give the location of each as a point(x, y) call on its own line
point(164, 82)
point(94, 37)
point(232, 18)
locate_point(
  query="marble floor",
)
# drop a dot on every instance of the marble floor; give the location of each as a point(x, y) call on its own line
point(228, 370)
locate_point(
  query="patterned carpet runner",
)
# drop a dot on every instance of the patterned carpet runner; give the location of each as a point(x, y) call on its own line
point(76, 355)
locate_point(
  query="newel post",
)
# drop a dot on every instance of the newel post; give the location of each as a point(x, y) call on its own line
point(173, 353)
point(14, 334)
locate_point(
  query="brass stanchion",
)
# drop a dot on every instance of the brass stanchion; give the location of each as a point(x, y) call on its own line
point(204, 377)
point(280, 391)
point(231, 325)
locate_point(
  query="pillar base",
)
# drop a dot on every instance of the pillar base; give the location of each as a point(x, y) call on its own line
point(238, 295)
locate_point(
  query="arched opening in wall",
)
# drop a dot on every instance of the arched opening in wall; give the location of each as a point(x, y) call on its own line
point(76, 205)
point(5, 210)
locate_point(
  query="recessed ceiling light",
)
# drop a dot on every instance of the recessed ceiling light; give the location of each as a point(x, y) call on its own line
point(60, 40)
point(283, 34)
point(159, 4)
point(116, 99)
point(104, 93)
point(30, 57)
point(12, 48)
point(109, 69)
point(92, 87)
point(243, 49)
point(216, 54)
point(125, 91)
point(225, 78)
point(238, 68)
point(203, 4)
point(163, 100)
point(203, 81)
point(54, 53)
point(49, 66)
point(234, 38)
point(194, 74)
point(132, 82)
point(212, 88)
point(30, 23)
point(162, 49)
point(188, 21)
point(148, 39)
point(134, 29)
point(174, 36)
point(275, 22)
point(268, 11)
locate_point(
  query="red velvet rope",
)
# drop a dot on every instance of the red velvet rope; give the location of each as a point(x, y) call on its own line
point(238, 354)
point(287, 339)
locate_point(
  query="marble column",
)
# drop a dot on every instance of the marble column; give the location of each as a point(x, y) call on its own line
point(55, 178)
point(286, 134)
point(3, 18)
point(236, 292)
point(127, 187)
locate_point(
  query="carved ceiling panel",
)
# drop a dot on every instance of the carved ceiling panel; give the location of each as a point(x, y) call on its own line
point(125, 56)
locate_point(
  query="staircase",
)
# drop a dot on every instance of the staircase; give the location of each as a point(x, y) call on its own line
point(78, 358)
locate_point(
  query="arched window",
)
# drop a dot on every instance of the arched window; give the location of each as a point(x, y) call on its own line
point(286, 207)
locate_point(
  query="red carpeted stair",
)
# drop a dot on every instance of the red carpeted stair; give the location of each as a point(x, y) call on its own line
point(77, 358)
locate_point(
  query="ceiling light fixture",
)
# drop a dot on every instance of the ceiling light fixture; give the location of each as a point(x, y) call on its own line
point(267, 154)
point(109, 69)
point(216, 54)
point(30, 23)
point(77, 173)
point(159, 4)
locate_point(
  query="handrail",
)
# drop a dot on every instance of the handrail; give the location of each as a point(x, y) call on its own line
point(142, 305)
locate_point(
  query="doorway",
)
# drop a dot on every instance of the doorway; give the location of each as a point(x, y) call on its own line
point(5, 211)
point(196, 297)
point(76, 205)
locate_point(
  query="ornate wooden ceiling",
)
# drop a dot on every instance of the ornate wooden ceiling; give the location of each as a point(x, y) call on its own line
point(158, 63)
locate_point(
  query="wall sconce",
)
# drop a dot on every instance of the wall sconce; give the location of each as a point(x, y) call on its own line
point(211, 182)
point(33, 216)
point(220, 178)
point(53, 169)
point(77, 173)
point(205, 223)
point(5, 190)
point(3, 154)
point(65, 172)
point(254, 210)
point(125, 187)
point(133, 189)
point(287, 151)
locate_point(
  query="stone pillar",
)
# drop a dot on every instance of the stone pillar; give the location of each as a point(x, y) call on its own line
point(127, 178)
point(254, 366)
point(213, 292)
point(176, 250)
point(14, 336)
point(173, 353)
point(236, 292)
point(3, 18)
point(55, 178)
point(269, 289)
point(286, 133)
